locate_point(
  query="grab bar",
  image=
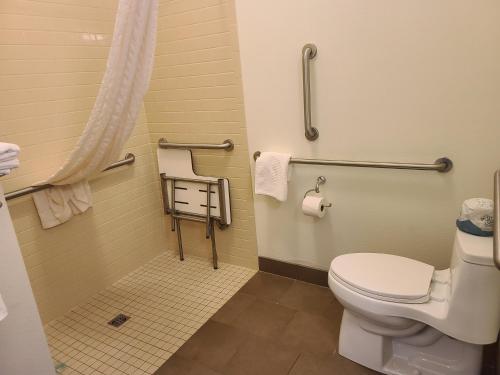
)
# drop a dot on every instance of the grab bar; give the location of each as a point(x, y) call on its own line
point(496, 215)
point(129, 159)
point(309, 51)
point(227, 145)
point(440, 165)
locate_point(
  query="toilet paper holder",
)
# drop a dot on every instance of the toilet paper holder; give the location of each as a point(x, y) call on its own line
point(321, 180)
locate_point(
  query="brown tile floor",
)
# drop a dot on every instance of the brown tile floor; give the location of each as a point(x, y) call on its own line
point(273, 325)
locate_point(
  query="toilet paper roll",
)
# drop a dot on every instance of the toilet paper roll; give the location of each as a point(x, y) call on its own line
point(314, 206)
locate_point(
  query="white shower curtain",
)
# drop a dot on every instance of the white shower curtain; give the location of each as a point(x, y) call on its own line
point(120, 96)
point(125, 82)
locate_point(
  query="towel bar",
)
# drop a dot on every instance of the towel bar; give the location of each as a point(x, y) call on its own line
point(129, 159)
point(227, 145)
point(440, 165)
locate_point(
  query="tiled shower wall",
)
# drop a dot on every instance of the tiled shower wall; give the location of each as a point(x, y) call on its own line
point(52, 58)
point(196, 96)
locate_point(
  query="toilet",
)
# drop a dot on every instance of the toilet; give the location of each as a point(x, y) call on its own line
point(403, 316)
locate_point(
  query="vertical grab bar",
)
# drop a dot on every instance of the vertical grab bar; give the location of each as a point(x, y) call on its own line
point(309, 51)
point(496, 216)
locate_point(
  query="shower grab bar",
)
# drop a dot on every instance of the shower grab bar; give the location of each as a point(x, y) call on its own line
point(440, 165)
point(129, 159)
point(309, 52)
point(227, 145)
point(496, 215)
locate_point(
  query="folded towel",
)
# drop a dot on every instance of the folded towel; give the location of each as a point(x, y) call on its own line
point(9, 164)
point(8, 148)
point(8, 158)
point(3, 309)
point(58, 204)
point(271, 175)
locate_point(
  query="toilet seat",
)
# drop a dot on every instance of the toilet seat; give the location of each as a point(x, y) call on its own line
point(384, 277)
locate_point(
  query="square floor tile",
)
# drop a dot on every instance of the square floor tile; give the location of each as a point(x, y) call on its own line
point(311, 364)
point(264, 318)
point(181, 366)
point(263, 357)
point(234, 307)
point(312, 333)
point(309, 298)
point(213, 345)
point(167, 301)
point(267, 286)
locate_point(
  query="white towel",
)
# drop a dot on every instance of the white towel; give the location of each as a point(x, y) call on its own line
point(8, 158)
point(9, 164)
point(271, 175)
point(8, 148)
point(3, 309)
point(58, 204)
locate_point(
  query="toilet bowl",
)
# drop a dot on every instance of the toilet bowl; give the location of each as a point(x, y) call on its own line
point(404, 317)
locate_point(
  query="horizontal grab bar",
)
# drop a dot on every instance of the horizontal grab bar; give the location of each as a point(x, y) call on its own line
point(440, 165)
point(129, 159)
point(496, 218)
point(227, 145)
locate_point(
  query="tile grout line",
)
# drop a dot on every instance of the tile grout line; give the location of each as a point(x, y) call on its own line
point(169, 301)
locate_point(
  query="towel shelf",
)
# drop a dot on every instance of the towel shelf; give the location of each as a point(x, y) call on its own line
point(227, 145)
point(440, 165)
point(129, 159)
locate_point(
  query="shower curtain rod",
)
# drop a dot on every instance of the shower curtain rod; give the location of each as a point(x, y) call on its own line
point(440, 165)
point(129, 159)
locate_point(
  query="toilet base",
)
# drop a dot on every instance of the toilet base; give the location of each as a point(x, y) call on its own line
point(387, 355)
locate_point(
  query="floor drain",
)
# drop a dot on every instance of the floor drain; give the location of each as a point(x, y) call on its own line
point(60, 367)
point(118, 320)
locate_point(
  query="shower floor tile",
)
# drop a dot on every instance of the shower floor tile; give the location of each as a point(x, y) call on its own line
point(167, 302)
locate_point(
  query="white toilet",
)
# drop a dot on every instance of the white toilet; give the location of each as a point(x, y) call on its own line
point(404, 317)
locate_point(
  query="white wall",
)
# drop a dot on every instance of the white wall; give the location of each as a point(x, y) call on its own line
point(23, 347)
point(393, 81)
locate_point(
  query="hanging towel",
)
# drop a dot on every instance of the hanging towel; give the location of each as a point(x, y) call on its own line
point(3, 309)
point(125, 82)
point(56, 205)
point(271, 175)
point(9, 154)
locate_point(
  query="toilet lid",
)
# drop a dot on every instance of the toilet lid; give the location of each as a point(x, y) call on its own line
point(385, 277)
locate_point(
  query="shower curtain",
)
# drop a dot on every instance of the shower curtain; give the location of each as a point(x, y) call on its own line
point(125, 82)
point(120, 96)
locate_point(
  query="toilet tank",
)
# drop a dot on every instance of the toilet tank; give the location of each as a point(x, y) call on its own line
point(474, 301)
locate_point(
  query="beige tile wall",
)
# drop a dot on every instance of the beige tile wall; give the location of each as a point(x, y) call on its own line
point(196, 96)
point(52, 57)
